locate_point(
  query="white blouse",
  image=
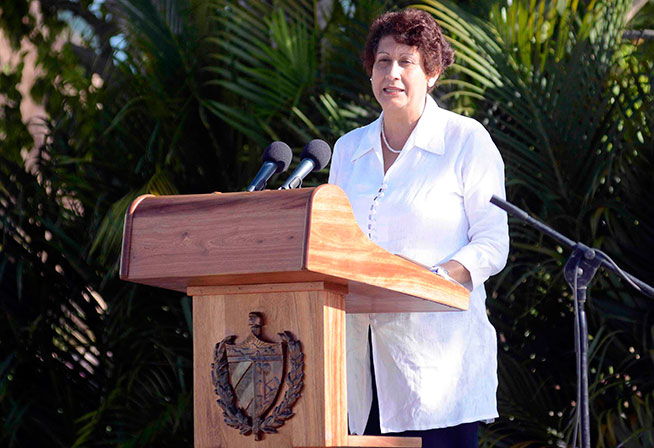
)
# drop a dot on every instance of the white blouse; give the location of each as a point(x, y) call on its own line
point(433, 370)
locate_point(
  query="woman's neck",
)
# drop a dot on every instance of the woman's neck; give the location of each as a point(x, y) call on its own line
point(398, 127)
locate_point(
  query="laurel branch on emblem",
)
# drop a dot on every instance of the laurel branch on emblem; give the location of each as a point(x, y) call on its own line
point(235, 416)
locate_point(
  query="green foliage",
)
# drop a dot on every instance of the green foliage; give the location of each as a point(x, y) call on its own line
point(16, 138)
point(284, 70)
point(631, 425)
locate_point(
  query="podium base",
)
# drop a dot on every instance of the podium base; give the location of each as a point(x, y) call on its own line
point(377, 442)
point(384, 441)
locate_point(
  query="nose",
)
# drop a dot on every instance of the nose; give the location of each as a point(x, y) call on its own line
point(394, 70)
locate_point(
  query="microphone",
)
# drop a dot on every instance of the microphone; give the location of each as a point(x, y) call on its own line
point(315, 156)
point(276, 159)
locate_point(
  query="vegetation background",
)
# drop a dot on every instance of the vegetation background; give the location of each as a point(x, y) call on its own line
point(182, 96)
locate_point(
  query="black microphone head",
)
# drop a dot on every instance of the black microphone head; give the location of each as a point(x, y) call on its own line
point(279, 153)
point(319, 151)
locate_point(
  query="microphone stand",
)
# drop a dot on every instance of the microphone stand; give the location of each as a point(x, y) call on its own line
point(578, 271)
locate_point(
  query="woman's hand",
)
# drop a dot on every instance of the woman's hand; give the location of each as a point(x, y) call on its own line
point(457, 271)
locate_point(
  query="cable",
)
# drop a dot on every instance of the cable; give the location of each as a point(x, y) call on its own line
point(619, 270)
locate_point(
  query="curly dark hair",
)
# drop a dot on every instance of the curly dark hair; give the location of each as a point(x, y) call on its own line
point(415, 28)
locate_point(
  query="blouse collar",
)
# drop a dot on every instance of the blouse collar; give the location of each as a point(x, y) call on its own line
point(428, 135)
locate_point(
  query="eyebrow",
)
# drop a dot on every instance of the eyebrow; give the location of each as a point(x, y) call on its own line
point(401, 54)
point(413, 55)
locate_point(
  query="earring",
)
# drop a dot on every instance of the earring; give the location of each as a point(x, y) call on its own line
point(370, 79)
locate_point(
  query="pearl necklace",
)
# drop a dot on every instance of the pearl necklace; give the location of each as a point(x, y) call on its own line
point(386, 141)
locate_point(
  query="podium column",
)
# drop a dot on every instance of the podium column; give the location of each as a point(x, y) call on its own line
point(314, 312)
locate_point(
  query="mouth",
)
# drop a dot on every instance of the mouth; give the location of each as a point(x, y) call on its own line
point(392, 90)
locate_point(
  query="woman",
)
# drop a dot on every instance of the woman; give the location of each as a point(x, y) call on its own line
point(419, 179)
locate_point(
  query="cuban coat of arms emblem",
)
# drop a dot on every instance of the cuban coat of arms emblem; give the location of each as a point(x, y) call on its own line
point(247, 377)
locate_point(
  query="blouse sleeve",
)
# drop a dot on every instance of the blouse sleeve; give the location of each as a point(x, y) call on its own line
point(481, 171)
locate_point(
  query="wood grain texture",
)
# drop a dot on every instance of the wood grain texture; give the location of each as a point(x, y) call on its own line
point(334, 369)
point(182, 283)
point(384, 441)
point(363, 298)
point(317, 319)
point(196, 236)
point(378, 442)
point(303, 235)
point(126, 250)
point(265, 288)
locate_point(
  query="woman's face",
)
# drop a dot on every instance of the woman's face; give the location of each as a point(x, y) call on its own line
point(398, 80)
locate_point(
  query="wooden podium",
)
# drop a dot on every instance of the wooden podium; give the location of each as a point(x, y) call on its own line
point(299, 259)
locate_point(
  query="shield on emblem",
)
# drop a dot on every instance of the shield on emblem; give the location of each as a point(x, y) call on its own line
point(256, 370)
point(248, 376)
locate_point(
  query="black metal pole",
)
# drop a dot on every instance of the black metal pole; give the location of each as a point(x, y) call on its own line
point(584, 406)
point(579, 271)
